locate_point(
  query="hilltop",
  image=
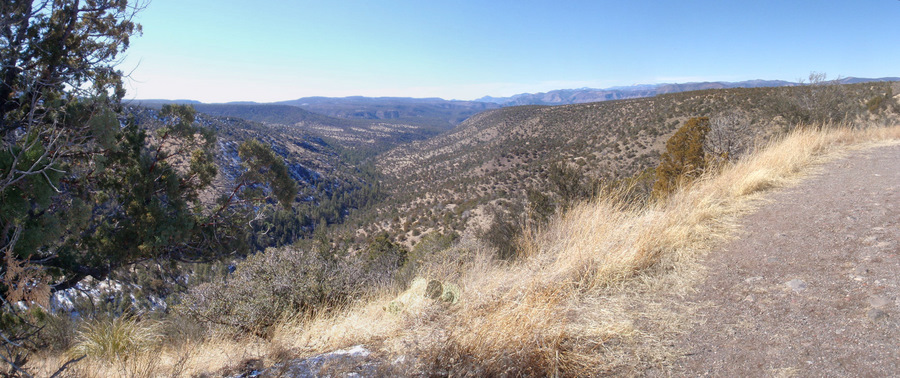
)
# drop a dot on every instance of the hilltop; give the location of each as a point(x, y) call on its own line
point(583, 95)
point(600, 290)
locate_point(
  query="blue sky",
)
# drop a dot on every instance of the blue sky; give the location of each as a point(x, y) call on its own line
point(267, 50)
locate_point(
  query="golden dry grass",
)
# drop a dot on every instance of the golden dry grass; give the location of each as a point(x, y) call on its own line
point(595, 291)
point(188, 359)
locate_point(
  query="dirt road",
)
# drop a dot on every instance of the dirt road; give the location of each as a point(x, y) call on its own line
point(812, 285)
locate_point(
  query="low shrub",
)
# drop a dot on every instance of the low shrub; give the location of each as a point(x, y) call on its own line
point(290, 280)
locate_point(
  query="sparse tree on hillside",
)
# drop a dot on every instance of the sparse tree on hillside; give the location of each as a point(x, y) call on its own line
point(729, 135)
point(823, 101)
point(884, 102)
point(684, 158)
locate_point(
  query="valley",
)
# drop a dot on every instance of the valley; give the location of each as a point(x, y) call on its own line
point(448, 189)
point(427, 172)
point(383, 204)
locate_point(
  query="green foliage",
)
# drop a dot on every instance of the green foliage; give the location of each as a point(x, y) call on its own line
point(58, 91)
point(139, 200)
point(384, 250)
point(84, 190)
point(502, 235)
point(541, 207)
point(140, 205)
point(423, 252)
point(684, 158)
point(262, 165)
point(883, 102)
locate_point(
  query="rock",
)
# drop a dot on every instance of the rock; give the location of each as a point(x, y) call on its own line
point(796, 285)
point(886, 246)
point(353, 361)
point(877, 301)
point(876, 314)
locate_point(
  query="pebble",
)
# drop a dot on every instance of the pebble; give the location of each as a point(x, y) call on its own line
point(878, 301)
point(796, 285)
point(753, 279)
point(876, 314)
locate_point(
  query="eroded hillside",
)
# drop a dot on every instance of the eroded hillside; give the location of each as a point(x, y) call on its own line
point(492, 160)
point(330, 178)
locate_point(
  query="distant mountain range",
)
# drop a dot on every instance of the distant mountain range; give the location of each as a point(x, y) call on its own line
point(429, 110)
point(435, 115)
point(584, 95)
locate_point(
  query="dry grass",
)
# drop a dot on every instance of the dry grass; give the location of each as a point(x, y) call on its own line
point(144, 357)
point(593, 292)
point(597, 291)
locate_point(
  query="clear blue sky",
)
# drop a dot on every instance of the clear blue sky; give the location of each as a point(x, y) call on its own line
point(268, 50)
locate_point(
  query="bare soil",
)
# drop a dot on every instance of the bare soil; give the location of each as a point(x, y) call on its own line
point(812, 285)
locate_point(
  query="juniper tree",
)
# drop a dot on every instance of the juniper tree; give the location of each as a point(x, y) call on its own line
point(83, 189)
point(684, 158)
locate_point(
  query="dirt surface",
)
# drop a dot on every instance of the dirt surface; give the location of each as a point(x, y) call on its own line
point(812, 285)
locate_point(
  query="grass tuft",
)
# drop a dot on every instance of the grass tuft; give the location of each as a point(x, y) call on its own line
point(119, 338)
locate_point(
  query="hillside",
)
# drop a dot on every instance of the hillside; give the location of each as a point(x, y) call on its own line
point(594, 288)
point(492, 160)
point(600, 291)
point(331, 180)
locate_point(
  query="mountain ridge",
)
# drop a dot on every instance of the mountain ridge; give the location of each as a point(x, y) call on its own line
point(585, 95)
point(372, 107)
